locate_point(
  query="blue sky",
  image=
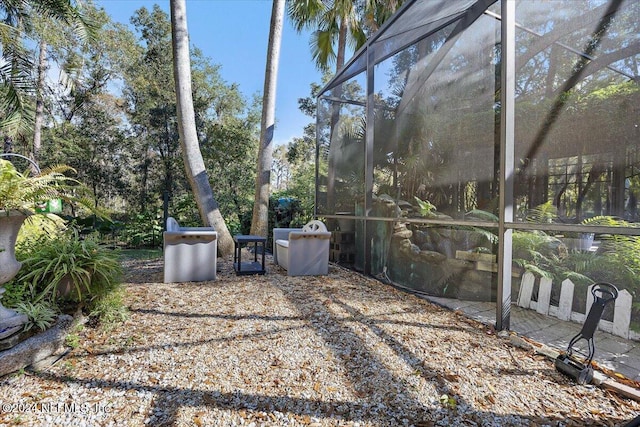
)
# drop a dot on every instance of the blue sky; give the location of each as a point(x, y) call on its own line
point(234, 34)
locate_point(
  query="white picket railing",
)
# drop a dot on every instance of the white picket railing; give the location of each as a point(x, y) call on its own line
point(563, 311)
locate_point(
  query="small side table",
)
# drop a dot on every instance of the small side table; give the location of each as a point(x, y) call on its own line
point(248, 267)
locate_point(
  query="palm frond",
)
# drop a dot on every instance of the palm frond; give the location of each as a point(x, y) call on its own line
point(22, 191)
point(322, 49)
point(544, 213)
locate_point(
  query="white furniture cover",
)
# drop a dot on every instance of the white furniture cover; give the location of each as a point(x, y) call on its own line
point(190, 253)
point(302, 252)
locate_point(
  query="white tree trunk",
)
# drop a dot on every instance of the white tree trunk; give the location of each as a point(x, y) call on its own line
point(194, 164)
point(260, 219)
point(39, 117)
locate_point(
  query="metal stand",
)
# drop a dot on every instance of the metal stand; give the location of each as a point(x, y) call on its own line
point(251, 267)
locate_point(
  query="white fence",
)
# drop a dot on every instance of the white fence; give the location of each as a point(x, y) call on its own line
point(563, 311)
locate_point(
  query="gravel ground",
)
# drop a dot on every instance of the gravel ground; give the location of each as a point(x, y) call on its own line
point(339, 350)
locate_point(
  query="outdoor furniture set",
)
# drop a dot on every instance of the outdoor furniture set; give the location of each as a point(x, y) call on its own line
point(190, 252)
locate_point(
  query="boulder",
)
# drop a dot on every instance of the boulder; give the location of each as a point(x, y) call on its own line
point(402, 234)
point(36, 348)
point(12, 323)
point(432, 257)
point(420, 237)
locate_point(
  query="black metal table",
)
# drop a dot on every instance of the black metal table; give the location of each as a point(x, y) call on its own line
point(248, 267)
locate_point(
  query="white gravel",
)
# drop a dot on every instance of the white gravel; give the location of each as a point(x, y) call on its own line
point(340, 350)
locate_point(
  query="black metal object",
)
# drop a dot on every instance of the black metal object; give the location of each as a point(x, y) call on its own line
point(567, 363)
point(250, 267)
point(634, 422)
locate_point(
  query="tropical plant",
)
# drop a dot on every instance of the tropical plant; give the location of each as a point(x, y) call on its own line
point(621, 258)
point(544, 213)
point(39, 226)
point(425, 208)
point(142, 230)
point(616, 260)
point(41, 315)
point(546, 256)
point(15, 72)
point(16, 292)
point(32, 232)
point(23, 191)
point(331, 22)
point(339, 23)
point(85, 267)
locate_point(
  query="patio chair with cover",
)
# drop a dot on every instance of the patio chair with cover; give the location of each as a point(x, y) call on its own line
point(302, 252)
point(189, 253)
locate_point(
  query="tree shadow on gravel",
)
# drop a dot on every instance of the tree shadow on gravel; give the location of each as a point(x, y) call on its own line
point(381, 394)
point(421, 414)
point(185, 344)
point(168, 401)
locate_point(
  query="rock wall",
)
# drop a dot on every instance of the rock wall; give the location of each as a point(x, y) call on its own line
point(424, 257)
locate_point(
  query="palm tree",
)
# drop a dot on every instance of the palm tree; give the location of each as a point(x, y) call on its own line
point(16, 84)
point(259, 221)
point(193, 162)
point(332, 22)
point(337, 24)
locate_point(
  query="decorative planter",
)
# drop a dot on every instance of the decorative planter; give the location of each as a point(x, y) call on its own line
point(67, 289)
point(582, 243)
point(10, 223)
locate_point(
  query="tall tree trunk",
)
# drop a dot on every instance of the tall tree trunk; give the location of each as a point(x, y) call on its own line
point(342, 46)
point(193, 162)
point(260, 219)
point(336, 93)
point(39, 117)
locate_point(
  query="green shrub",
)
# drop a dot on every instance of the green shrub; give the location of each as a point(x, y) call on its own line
point(39, 226)
point(616, 261)
point(16, 292)
point(49, 262)
point(143, 230)
point(34, 230)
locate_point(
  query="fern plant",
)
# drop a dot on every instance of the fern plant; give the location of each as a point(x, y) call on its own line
point(546, 256)
point(21, 191)
point(544, 213)
point(622, 254)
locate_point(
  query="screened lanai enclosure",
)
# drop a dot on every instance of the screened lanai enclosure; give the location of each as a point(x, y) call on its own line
point(490, 151)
